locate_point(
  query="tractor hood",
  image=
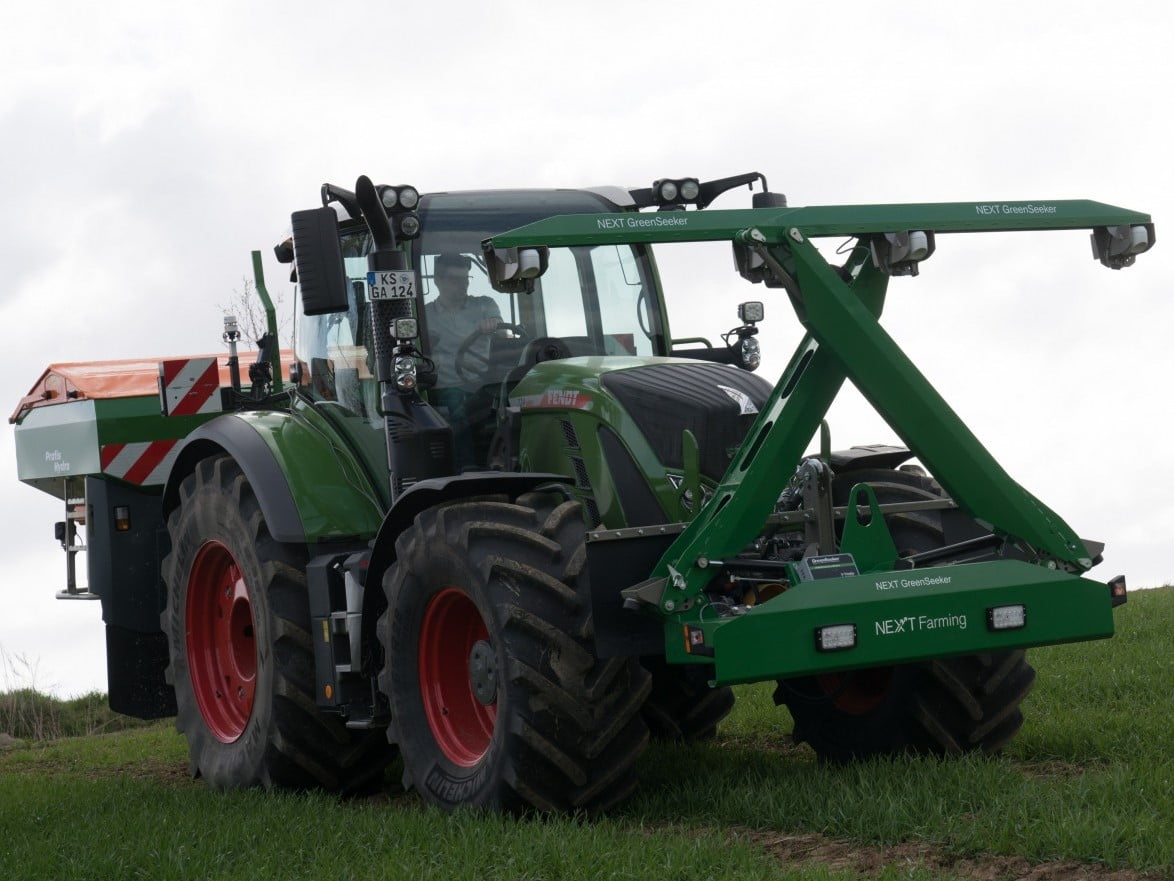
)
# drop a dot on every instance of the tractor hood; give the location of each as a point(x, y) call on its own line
point(618, 425)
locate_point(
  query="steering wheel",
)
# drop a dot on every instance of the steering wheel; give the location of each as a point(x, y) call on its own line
point(471, 364)
point(544, 348)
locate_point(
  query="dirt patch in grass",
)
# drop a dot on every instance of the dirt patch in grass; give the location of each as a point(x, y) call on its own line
point(170, 773)
point(871, 862)
point(777, 746)
point(1056, 769)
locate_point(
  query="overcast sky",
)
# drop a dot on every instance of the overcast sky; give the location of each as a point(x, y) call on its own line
point(146, 148)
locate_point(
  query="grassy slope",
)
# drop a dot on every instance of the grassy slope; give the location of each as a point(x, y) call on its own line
point(1090, 778)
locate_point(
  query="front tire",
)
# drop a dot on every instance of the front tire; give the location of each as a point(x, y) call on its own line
point(683, 707)
point(497, 700)
point(947, 706)
point(237, 623)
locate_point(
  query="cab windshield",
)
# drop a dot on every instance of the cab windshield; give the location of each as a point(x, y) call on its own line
point(593, 300)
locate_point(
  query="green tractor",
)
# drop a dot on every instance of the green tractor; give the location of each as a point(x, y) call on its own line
point(502, 523)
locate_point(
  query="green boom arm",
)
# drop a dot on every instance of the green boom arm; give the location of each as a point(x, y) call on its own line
point(845, 341)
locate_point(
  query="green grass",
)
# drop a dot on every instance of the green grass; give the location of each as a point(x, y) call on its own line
point(28, 714)
point(1089, 779)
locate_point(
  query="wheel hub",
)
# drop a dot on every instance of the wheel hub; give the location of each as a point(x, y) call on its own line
point(221, 642)
point(859, 691)
point(458, 677)
point(483, 672)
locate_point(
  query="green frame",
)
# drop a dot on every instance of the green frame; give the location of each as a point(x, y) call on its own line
point(844, 340)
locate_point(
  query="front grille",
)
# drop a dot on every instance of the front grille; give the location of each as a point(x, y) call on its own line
point(581, 479)
point(593, 518)
point(569, 434)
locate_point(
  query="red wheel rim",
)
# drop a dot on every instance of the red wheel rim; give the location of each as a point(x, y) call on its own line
point(859, 691)
point(461, 725)
point(221, 642)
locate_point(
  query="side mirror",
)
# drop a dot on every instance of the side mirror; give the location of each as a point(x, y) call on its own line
point(513, 270)
point(318, 257)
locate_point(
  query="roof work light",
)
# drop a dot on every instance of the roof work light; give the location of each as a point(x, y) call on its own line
point(673, 194)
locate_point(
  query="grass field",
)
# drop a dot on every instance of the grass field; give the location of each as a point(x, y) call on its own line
point(1085, 791)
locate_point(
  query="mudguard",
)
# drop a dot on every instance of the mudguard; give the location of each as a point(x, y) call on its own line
point(311, 488)
point(436, 490)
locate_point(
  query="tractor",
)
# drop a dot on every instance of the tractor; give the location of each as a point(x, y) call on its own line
point(489, 517)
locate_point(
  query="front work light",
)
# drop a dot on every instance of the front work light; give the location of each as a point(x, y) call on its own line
point(409, 197)
point(750, 312)
point(1006, 617)
point(401, 198)
point(676, 193)
point(405, 329)
point(835, 637)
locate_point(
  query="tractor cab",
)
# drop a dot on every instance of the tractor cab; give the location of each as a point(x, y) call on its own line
point(418, 332)
point(593, 300)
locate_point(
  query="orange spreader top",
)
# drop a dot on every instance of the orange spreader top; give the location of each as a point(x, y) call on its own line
point(125, 378)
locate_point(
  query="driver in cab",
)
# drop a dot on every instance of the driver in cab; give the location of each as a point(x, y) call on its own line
point(454, 317)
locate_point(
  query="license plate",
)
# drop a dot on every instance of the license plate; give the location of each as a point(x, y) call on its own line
point(395, 284)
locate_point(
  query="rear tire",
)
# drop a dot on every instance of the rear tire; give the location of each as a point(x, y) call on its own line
point(682, 706)
point(948, 706)
point(237, 623)
point(497, 699)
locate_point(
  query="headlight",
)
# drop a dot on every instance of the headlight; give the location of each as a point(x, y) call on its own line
point(404, 369)
point(409, 226)
point(751, 353)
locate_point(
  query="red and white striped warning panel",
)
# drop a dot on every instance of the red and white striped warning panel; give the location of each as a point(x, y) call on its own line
point(145, 464)
point(189, 386)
